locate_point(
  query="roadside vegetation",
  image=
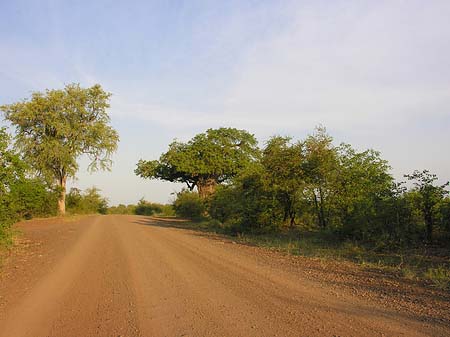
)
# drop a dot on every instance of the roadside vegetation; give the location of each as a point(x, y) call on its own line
point(314, 198)
point(52, 130)
point(22, 196)
point(143, 207)
point(305, 196)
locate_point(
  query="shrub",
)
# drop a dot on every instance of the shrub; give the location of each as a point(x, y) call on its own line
point(439, 276)
point(189, 205)
point(88, 202)
point(122, 209)
point(32, 198)
point(146, 208)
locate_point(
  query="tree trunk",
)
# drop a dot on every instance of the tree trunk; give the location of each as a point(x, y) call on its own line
point(206, 187)
point(62, 197)
point(429, 224)
point(292, 219)
point(318, 205)
point(322, 209)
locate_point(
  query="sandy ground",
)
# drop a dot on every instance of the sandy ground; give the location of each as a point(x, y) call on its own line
point(137, 276)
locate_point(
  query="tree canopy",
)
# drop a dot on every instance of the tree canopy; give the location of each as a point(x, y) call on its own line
point(54, 128)
point(429, 196)
point(206, 160)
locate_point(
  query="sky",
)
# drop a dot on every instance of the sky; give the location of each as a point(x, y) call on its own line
point(376, 74)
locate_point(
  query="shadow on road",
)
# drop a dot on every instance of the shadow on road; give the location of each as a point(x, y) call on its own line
point(170, 222)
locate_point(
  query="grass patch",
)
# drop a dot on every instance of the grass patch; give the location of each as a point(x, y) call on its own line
point(440, 277)
point(412, 264)
point(6, 238)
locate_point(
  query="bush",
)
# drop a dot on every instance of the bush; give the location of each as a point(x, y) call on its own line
point(88, 202)
point(167, 210)
point(6, 220)
point(189, 205)
point(32, 198)
point(147, 208)
point(122, 209)
point(222, 206)
point(439, 276)
point(246, 205)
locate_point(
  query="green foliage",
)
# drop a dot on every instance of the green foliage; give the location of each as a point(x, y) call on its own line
point(21, 197)
point(122, 209)
point(444, 215)
point(439, 276)
point(89, 202)
point(143, 208)
point(11, 171)
point(284, 174)
point(167, 210)
point(33, 198)
point(321, 170)
point(247, 204)
point(429, 197)
point(53, 129)
point(189, 205)
point(313, 184)
point(147, 208)
point(206, 160)
point(362, 185)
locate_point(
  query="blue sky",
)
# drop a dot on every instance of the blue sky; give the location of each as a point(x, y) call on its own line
point(375, 73)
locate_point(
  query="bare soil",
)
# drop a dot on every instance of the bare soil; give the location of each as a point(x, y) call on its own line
point(139, 276)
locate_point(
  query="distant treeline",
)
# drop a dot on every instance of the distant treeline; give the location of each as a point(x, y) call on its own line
point(310, 184)
point(143, 207)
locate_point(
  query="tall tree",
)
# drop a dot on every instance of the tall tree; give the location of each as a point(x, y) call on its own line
point(54, 128)
point(283, 163)
point(320, 167)
point(430, 195)
point(206, 160)
point(362, 183)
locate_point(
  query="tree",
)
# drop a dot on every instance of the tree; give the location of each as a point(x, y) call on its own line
point(363, 184)
point(283, 163)
point(56, 127)
point(320, 169)
point(206, 160)
point(430, 195)
point(88, 202)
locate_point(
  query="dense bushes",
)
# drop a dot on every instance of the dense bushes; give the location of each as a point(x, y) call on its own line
point(89, 202)
point(21, 195)
point(147, 208)
point(189, 205)
point(143, 208)
point(315, 185)
point(122, 209)
point(33, 198)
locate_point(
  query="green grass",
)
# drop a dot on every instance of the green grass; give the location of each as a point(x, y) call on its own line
point(6, 237)
point(413, 264)
point(439, 276)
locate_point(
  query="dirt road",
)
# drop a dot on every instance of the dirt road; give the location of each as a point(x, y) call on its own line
point(134, 276)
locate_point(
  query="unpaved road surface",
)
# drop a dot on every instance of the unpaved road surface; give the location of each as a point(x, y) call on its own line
point(137, 276)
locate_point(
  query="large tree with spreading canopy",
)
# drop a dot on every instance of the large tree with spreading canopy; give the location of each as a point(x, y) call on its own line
point(206, 160)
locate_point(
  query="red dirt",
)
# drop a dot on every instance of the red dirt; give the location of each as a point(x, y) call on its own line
point(137, 276)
